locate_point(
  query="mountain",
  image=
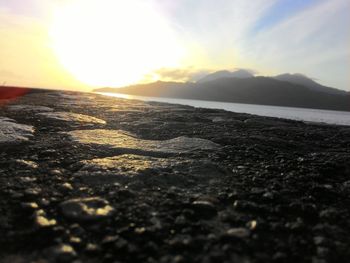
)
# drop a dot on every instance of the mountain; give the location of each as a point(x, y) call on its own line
point(257, 90)
point(241, 73)
point(307, 82)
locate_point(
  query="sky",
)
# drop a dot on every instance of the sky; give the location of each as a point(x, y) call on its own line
point(81, 44)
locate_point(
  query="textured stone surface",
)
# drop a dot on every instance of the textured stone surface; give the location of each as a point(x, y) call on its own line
point(29, 108)
point(123, 140)
point(12, 132)
point(71, 117)
point(147, 170)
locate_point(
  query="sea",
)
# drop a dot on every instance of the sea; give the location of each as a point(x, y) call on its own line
point(300, 114)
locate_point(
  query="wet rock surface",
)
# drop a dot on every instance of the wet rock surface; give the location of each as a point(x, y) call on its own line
point(127, 142)
point(71, 117)
point(12, 132)
point(113, 180)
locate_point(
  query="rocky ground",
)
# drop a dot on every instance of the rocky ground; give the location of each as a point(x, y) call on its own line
point(87, 178)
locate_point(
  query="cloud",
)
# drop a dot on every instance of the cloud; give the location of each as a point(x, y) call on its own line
point(216, 26)
point(310, 42)
point(180, 74)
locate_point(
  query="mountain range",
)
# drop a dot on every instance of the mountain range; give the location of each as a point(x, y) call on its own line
point(241, 86)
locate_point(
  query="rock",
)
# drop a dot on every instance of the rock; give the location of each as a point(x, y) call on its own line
point(71, 117)
point(27, 179)
point(129, 143)
point(87, 209)
point(238, 232)
point(66, 186)
point(26, 164)
point(252, 224)
point(13, 133)
point(108, 240)
point(29, 206)
point(163, 172)
point(41, 221)
point(92, 248)
point(204, 209)
point(32, 192)
point(62, 253)
point(29, 108)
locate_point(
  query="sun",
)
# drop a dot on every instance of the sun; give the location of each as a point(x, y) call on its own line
point(113, 42)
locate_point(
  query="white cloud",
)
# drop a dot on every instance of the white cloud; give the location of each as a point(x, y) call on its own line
point(216, 26)
point(310, 42)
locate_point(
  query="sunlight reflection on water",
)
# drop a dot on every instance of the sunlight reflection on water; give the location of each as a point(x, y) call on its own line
point(301, 114)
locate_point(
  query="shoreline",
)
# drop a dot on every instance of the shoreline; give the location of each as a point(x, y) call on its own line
point(254, 109)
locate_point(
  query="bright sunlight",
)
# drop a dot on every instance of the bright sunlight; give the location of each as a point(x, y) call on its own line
point(113, 42)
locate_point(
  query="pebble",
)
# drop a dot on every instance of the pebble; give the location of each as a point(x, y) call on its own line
point(29, 206)
point(27, 179)
point(252, 224)
point(62, 253)
point(32, 192)
point(238, 232)
point(41, 221)
point(92, 248)
point(87, 209)
point(204, 209)
point(67, 186)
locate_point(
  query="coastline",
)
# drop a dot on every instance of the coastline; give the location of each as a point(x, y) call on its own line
point(93, 178)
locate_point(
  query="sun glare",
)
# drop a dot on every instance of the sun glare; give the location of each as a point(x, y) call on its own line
point(113, 42)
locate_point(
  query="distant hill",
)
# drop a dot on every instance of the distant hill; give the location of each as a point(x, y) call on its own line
point(307, 82)
point(241, 73)
point(253, 90)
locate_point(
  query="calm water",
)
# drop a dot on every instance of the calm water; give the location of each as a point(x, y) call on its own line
point(302, 114)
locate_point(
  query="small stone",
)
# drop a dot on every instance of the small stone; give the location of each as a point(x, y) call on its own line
point(41, 221)
point(67, 186)
point(30, 206)
point(26, 164)
point(75, 240)
point(252, 224)
point(268, 195)
point(140, 230)
point(16, 195)
point(62, 253)
point(32, 192)
point(204, 209)
point(180, 220)
point(27, 179)
point(87, 209)
point(92, 248)
point(76, 229)
point(238, 232)
point(109, 240)
point(55, 172)
point(44, 202)
point(319, 240)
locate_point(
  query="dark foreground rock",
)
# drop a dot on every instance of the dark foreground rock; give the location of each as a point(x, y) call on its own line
point(87, 178)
